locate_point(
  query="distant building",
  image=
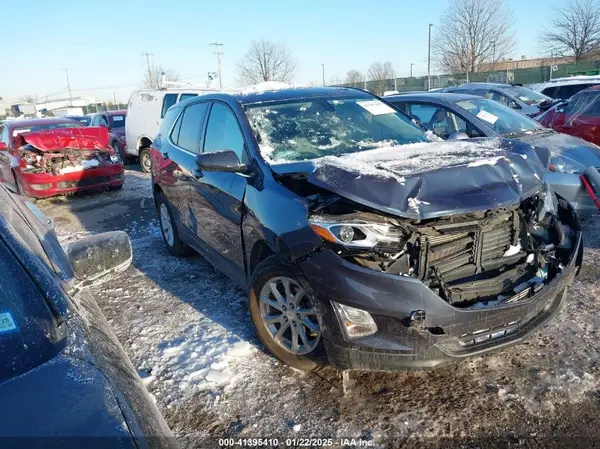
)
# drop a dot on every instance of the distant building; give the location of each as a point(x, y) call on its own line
point(60, 103)
point(524, 63)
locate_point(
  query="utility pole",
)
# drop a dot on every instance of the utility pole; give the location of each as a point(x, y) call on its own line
point(411, 66)
point(147, 55)
point(395, 81)
point(115, 101)
point(429, 59)
point(494, 56)
point(69, 86)
point(219, 54)
point(323, 73)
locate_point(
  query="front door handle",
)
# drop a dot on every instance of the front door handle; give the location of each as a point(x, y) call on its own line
point(165, 155)
point(197, 173)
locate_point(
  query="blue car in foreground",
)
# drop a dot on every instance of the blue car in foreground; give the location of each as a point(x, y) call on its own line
point(455, 115)
point(65, 381)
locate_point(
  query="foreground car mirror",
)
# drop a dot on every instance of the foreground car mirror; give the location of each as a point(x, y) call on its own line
point(98, 255)
point(221, 161)
point(458, 136)
point(513, 104)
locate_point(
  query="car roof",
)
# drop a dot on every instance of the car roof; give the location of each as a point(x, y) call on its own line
point(118, 112)
point(438, 97)
point(37, 122)
point(269, 96)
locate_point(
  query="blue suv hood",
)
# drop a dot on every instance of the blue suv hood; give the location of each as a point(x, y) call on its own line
point(429, 180)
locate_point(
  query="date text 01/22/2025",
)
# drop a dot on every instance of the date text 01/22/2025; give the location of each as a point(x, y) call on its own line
point(293, 442)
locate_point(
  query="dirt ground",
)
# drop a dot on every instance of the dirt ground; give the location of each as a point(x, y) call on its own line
point(187, 329)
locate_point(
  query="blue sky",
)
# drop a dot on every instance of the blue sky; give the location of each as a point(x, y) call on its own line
point(101, 42)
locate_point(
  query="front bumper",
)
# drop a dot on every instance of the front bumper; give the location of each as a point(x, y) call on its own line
point(43, 185)
point(447, 334)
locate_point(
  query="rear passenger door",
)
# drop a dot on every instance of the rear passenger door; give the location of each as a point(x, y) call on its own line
point(218, 197)
point(178, 159)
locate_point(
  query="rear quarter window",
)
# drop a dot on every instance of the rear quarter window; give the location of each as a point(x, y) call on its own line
point(167, 123)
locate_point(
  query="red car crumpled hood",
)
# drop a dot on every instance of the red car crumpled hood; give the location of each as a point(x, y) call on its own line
point(90, 138)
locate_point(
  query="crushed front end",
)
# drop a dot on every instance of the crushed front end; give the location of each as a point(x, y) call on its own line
point(56, 162)
point(401, 294)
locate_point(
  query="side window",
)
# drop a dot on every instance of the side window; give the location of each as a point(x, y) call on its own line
point(402, 106)
point(593, 105)
point(423, 112)
point(168, 101)
point(439, 120)
point(166, 124)
point(4, 135)
point(183, 97)
point(496, 96)
point(95, 120)
point(176, 129)
point(551, 92)
point(569, 90)
point(191, 124)
point(223, 132)
point(103, 121)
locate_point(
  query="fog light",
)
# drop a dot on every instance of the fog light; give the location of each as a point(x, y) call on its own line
point(354, 322)
point(346, 234)
point(40, 186)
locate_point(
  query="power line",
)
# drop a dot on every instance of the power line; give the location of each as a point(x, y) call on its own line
point(219, 54)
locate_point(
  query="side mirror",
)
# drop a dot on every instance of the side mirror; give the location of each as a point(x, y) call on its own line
point(98, 255)
point(221, 161)
point(458, 136)
point(3, 146)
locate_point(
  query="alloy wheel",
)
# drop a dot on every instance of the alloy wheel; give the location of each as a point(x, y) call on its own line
point(289, 315)
point(166, 225)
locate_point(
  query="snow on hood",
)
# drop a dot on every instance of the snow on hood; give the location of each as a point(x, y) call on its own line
point(89, 138)
point(428, 180)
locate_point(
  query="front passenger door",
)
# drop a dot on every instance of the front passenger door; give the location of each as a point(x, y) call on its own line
point(5, 171)
point(218, 197)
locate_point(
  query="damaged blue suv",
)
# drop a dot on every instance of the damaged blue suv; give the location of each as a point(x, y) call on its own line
point(361, 242)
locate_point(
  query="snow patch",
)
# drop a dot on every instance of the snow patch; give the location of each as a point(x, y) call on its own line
point(512, 250)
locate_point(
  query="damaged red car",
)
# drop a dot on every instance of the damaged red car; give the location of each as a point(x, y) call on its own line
point(49, 157)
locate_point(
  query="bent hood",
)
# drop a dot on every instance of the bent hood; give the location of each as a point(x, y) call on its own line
point(429, 180)
point(91, 138)
point(579, 150)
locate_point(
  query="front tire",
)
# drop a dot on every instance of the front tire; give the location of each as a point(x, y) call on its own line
point(285, 316)
point(145, 160)
point(121, 152)
point(175, 245)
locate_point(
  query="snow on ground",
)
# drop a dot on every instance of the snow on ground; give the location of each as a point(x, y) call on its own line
point(187, 329)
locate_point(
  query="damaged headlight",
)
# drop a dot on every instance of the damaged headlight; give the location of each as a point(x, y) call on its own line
point(563, 164)
point(356, 234)
point(114, 158)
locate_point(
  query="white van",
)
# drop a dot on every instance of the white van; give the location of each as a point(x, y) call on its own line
point(145, 113)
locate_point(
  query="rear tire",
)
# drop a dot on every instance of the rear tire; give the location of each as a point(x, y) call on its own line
point(175, 245)
point(277, 325)
point(145, 160)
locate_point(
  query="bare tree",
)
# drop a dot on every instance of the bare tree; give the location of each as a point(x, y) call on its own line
point(354, 76)
point(379, 73)
point(266, 61)
point(28, 98)
point(472, 33)
point(152, 79)
point(575, 30)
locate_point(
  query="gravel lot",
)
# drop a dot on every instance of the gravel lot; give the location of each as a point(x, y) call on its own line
point(187, 329)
